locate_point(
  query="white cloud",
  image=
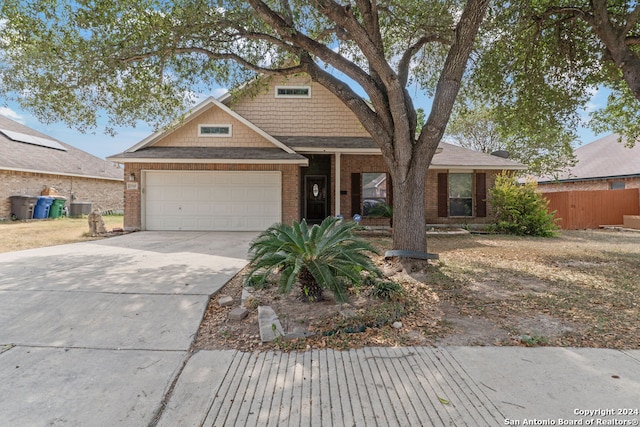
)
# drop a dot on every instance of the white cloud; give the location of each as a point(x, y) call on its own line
point(8, 112)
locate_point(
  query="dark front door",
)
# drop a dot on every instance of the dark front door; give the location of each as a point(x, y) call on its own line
point(315, 190)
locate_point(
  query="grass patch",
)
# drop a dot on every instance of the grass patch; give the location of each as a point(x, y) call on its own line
point(20, 235)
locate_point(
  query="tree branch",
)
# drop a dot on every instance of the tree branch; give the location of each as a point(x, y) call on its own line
point(405, 61)
point(635, 41)
point(217, 56)
point(449, 83)
point(369, 118)
point(327, 55)
point(632, 20)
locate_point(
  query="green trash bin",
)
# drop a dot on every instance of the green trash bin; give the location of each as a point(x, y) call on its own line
point(57, 207)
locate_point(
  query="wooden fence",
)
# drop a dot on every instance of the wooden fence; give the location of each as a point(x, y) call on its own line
point(591, 209)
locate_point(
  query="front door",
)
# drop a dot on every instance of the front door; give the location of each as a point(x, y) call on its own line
point(315, 190)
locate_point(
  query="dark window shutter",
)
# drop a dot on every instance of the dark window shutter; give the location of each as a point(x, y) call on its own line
point(356, 191)
point(481, 195)
point(389, 190)
point(443, 195)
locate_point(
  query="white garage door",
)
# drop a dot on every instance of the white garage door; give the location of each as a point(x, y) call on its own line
point(212, 201)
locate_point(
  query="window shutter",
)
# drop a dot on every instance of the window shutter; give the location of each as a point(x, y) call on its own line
point(443, 195)
point(356, 191)
point(481, 195)
point(389, 190)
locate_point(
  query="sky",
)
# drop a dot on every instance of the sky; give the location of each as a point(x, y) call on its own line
point(103, 145)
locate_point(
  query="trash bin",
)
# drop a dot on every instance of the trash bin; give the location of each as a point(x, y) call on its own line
point(22, 206)
point(77, 209)
point(57, 207)
point(41, 210)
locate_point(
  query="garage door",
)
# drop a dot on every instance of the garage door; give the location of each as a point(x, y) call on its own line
point(212, 201)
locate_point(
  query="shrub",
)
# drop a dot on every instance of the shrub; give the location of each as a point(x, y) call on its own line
point(521, 209)
point(325, 256)
point(387, 290)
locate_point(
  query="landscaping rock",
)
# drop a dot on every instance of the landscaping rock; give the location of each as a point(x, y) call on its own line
point(397, 325)
point(246, 294)
point(348, 313)
point(225, 301)
point(238, 313)
point(270, 327)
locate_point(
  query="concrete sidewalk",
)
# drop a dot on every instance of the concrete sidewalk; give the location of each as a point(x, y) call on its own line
point(455, 386)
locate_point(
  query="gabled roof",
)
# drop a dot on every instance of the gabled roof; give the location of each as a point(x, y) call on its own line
point(451, 156)
point(602, 158)
point(27, 150)
point(204, 105)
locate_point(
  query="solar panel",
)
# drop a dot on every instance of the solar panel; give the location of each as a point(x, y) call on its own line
point(30, 139)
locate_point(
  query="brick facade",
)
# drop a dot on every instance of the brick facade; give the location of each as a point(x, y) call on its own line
point(290, 186)
point(375, 163)
point(104, 194)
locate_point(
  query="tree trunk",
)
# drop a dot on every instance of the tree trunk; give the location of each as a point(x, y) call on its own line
point(311, 289)
point(409, 228)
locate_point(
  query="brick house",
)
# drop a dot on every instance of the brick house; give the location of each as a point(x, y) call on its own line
point(603, 188)
point(31, 161)
point(604, 164)
point(290, 151)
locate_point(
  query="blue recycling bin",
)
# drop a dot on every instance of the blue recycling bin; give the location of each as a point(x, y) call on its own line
point(41, 210)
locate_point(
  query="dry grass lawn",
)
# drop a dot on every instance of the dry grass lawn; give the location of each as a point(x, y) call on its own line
point(580, 289)
point(19, 235)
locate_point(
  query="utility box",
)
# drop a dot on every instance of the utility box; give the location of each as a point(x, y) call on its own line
point(78, 209)
point(631, 221)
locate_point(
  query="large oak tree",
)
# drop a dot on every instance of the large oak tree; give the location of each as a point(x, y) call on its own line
point(70, 60)
point(556, 53)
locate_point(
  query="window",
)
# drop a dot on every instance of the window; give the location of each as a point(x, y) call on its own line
point(293, 92)
point(617, 185)
point(374, 193)
point(215, 130)
point(460, 194)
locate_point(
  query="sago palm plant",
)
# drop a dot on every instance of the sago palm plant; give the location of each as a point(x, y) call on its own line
point(325, 256)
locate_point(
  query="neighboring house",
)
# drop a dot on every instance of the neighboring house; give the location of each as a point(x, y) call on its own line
point(291, 151)
point(601, 189)
point(604, 164)
point(31, 161)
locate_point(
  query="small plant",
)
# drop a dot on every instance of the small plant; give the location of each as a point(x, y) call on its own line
point(387, 290)
point(259, 280)
point(252, 302)
point(325, 256)
point(520, 209)
point(381, 210)
point(533, 340)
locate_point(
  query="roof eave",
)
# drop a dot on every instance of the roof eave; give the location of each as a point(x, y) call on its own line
point(74, 175)
point(475, 167)
point(302, 162)
point(590, 178)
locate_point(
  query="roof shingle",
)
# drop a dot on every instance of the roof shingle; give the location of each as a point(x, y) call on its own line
point(602, 158)
point(21, 156)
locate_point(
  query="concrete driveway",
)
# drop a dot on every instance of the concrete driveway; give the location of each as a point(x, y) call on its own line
point(94, 333)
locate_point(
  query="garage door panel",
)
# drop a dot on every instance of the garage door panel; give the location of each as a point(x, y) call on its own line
point(213, 200)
